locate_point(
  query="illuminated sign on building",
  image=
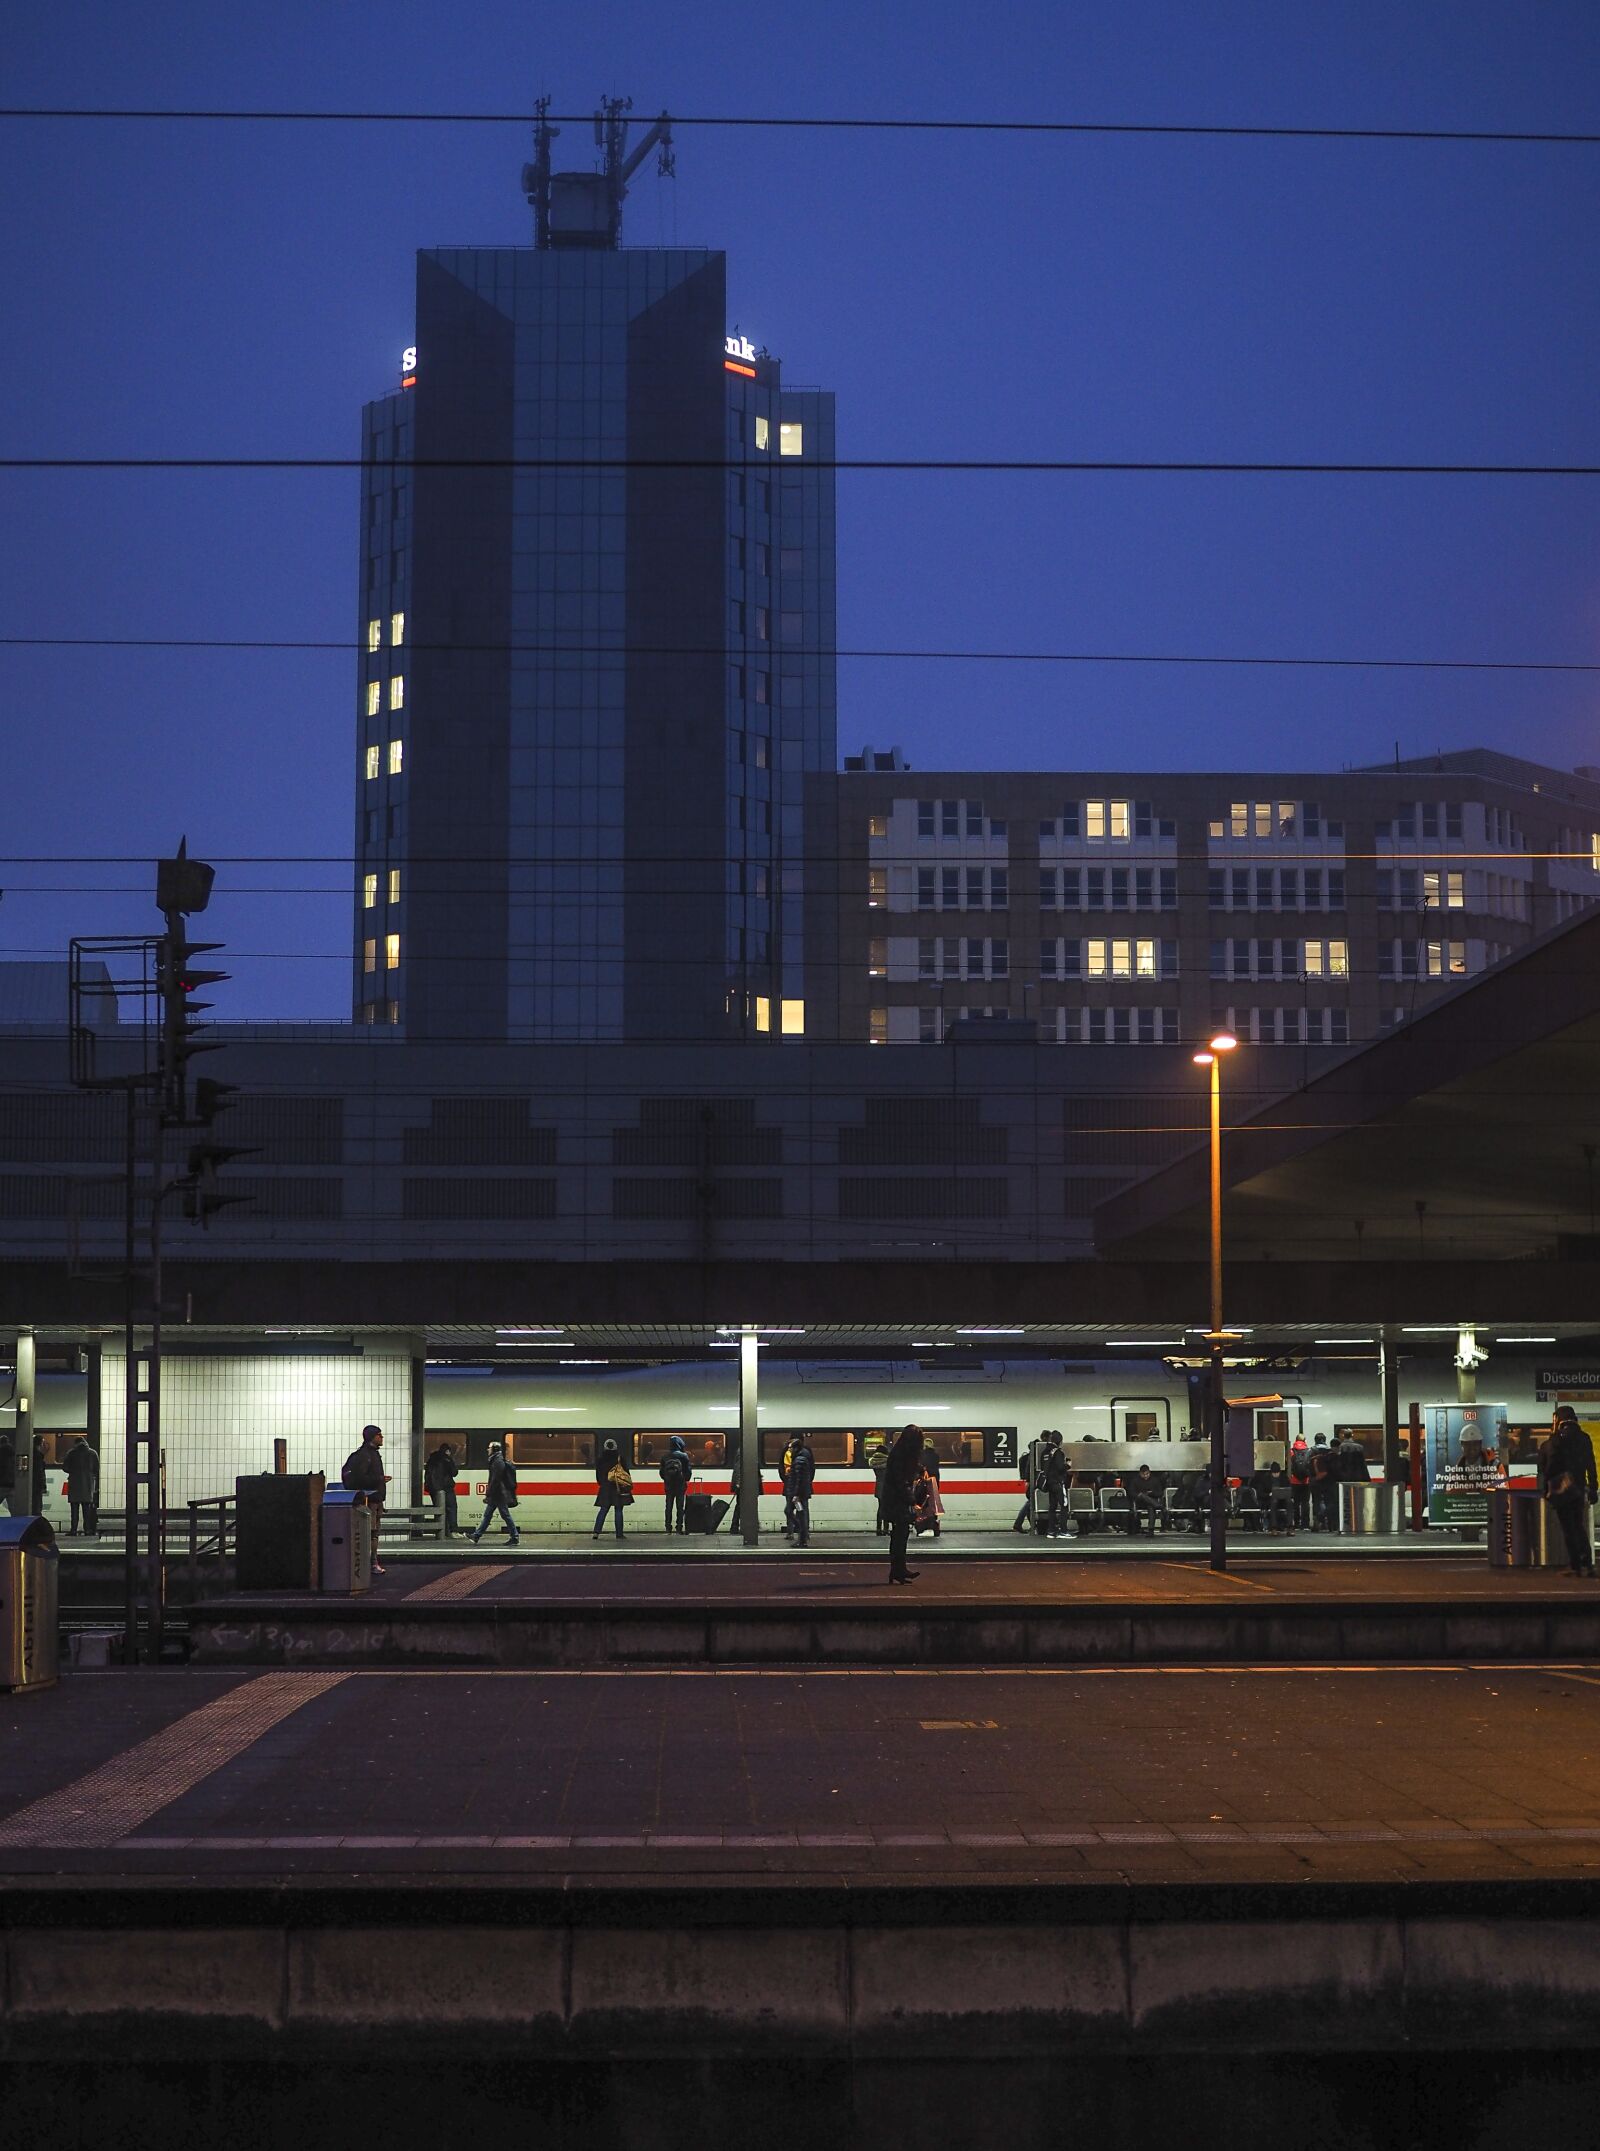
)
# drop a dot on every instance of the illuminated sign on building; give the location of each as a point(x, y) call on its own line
point(408, 366)
point(739, 356)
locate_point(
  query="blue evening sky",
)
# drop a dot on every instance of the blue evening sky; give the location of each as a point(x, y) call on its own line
point(238, 290)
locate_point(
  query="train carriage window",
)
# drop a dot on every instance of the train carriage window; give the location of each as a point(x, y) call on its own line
point(955, 1445)
point(708, 1449)
point(832, 1447)
point(1140, 1426)
point(1370, 1438)
point(536, 1448)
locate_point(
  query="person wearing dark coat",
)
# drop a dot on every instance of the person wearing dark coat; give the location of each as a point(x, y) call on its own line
point(499, 1495)
point(8, 1472)
point(1567, 1481)
point(899, 1478)
point(608, 1495)
point(363, 1470)
point(1324, 1487)
point(675, 1472)
point(83, 1490)
point(802, 1477)
point(1056, 1473)
point(439, 1484)
point(877, 1459)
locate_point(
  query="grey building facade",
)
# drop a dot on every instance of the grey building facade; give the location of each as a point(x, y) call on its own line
point(1137, 909)
point(596, 636)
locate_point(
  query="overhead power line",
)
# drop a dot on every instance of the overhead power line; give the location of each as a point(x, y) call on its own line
point(814, 122)
point(1092, 466)
point(623, 653)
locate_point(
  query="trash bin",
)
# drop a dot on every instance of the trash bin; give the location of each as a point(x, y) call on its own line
point(1368, 1510)
point(346, 1541)
point(30, 1634)
point(1524, 1531)
point(276, 1531)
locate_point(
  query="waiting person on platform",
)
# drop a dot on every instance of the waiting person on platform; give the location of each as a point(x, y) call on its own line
point(364, 1473)
point(927, 1502)
point(1300, 1482)
point(1024, 1520)
point(802, 1477)
point(1324, 1486)
point(83, 1489)
point(1144, 1500)
point(676, 1472)
point(613, 1487)
point(899, 1477)
point(1055, 1472)
point(1567, 1481)
point(1353, 1462)
point(499, 1495)
point(439, 1484)
point(8, 1471)
point(877, 1461)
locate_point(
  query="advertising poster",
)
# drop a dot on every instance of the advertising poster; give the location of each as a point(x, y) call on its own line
point(1465, 1445)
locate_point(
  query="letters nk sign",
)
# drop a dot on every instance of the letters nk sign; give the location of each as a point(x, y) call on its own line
point(739, 347)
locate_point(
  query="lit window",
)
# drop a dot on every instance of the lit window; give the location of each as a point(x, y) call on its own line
point(763, 433)
point(1094, 959)
point(877, 1026)
point(391, 952)
point(1286, 817)
point(369, 891)
point(877, 959)
point(1263, 818)
point(1214, 829)
point(1238, 818)
point(1122, 959)
point(1338, 959)
point(1594, 853)
point(794, 1018)
point(877, 887)
point(1145, 954)
point(1119, 819)
point(373, 763)
point(374, 697)
point(763, 1013)
point(397, 691)
point(877, 825)
point(374, 634)
point(394, 885)
point(1094, 818)
point(396, 756)
point(393, 1011)
point(397, 629)
point(369, 957)
point(790, 440)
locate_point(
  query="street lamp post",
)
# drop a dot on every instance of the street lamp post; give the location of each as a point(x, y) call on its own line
point(1216, 1399)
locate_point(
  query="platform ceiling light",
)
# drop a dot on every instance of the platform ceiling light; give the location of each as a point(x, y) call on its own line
point(561, 1411)
point(899, 1404)
point(1429, 1329)
point(1123, 1344)
point(1344, 1340)
point(987, 1330)
point(585, 1363)
point(1524, 1340)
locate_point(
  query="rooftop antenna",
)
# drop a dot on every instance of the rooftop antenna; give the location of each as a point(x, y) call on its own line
point(584, 209)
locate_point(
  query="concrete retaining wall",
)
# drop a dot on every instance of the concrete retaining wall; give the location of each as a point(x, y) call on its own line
point(520, 1633)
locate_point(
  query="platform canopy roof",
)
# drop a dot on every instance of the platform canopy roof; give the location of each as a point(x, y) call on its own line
point(1470, 1135)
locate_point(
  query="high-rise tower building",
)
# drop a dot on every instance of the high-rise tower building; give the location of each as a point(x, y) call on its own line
point(597, 632)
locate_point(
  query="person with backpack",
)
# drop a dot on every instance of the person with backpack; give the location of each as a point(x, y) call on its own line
point(900, 1476)
point(613, 1487)
point(499, 1494)
point(439, 1484)
point(1324, 1487)
point(1300, 1482)
point(802, 1477)
point(363, 1473)
point(675, 1473)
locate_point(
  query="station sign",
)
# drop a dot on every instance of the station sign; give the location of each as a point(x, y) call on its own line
point(739, 356)
point(408, 366)
point(1567, 1381)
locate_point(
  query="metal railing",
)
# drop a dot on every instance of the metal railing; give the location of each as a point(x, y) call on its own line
point(213, 1528)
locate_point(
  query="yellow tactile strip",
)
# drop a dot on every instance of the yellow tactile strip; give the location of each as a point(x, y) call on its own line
point(461, 1582)
point(103, 1807)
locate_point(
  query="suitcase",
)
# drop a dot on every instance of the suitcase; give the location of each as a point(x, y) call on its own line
point(719, 1513)
point(697, 1512)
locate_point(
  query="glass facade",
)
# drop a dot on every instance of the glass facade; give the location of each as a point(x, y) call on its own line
point(618, 668)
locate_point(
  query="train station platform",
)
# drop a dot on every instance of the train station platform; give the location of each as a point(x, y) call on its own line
point(791, 1610)
point(859, 1905)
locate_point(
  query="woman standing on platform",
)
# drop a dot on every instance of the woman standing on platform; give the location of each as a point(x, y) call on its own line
point(900, 1476)
point(613, 1487)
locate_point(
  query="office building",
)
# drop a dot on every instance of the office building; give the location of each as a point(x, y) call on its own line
point(596, 628)
point(1138, 909)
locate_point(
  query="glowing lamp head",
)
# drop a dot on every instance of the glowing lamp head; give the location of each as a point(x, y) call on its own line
point(1224, 1042)
point(1203, 1060)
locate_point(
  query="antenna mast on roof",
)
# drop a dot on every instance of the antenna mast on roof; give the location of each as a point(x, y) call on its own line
point(584, 209)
